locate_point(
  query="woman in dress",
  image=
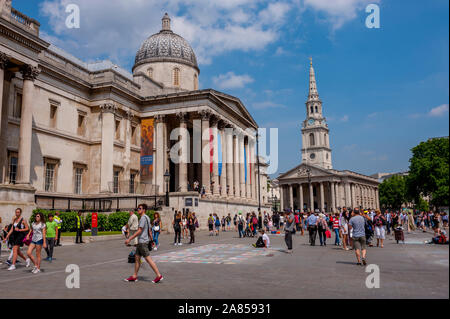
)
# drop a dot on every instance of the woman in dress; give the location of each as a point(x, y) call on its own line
point(343, 222)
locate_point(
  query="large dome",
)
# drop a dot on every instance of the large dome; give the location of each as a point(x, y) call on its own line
point(166, 46)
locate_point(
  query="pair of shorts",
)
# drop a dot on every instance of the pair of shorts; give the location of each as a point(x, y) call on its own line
point(217, 227)
point(210, 227)
point(380, 232)
point(142, 250)
point(38, 243)
point(359, 243)
point(345, 229)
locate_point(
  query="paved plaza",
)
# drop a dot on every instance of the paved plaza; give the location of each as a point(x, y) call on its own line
point(228, 267)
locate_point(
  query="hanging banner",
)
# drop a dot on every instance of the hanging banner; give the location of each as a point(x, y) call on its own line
point(147, 133)
point(219, 150)
point(211, 150)
point(245, 163)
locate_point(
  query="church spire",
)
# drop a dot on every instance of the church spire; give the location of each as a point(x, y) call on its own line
point(313, 93)
point(166, 23)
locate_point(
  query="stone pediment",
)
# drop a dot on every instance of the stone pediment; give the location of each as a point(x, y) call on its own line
point(301, 171)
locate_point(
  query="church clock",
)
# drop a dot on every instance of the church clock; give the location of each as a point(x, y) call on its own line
point(311, 121)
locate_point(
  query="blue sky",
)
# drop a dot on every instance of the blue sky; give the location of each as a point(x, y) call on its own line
point(384, 90)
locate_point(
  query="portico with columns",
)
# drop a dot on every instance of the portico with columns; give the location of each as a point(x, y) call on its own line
point(74, 130)
point(314, 185)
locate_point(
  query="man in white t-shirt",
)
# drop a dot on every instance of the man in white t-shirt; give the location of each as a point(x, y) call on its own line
point(263, 241)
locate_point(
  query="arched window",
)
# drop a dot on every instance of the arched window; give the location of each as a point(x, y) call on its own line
point(176, 76)
point(195, 82)
point(312, 140)
point(150, 73)
point(312, 109)
point(317, 109)
point(325, 139)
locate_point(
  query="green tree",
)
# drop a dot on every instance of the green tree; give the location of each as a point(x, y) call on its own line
point(393, 192)
point(429, 171)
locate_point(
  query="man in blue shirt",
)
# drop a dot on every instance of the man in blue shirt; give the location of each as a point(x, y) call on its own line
point(311, 223)
point(358, 223)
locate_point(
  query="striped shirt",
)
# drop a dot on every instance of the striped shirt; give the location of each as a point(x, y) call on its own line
point(335, 223)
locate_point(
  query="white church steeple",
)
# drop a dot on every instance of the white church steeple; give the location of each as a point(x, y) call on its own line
point(315, 133)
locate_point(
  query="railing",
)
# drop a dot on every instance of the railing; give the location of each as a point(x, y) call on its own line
point(138, 188)
point(98, 204)
point(26, 21)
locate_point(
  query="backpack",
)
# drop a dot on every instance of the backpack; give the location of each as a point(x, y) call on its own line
point(368, 227)
point(255, 221)
point(240, 222)
point(210, 221)
point(217, 222)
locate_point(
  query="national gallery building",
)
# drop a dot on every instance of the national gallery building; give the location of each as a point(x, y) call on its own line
point(94, 137)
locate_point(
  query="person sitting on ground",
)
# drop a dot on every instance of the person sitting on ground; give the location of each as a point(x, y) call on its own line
point(263, 240)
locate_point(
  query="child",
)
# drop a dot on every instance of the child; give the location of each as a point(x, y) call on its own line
point(263, 240)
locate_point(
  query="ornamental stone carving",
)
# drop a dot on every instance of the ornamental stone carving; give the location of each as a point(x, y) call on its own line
point(160, 118)
point(303, 172)
point(205, 115)
point(183, 117)
point(4, 60)
point(108, 108)
point(30, 72)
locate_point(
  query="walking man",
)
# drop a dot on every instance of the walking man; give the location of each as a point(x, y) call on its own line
point(312, 222)
point(142, 249)
point(289, 229)
point(357, 223)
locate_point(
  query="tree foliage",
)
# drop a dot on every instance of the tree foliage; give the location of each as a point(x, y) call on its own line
point(429, 171)
point(393, 192)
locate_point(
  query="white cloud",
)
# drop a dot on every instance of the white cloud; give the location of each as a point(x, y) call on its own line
point(267, 105)
point(342, 119)
point(439, 110)
point(212, 27)
point(114, 29)
point(232, 81)
point(339, 12)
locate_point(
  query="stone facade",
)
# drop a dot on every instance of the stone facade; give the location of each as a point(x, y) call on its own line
point(72, 129)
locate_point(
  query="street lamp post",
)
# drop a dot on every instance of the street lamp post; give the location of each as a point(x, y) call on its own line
point(167, 180)
point(308, 171)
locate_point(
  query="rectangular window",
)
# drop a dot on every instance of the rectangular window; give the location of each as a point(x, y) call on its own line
point(78, 180)
point(49, 177)
point(116, 182)
point(133, 134)
point(53, 111)
point(13, 161)
point(117, 129)
point(17, 110)
point(81, 124)
point(132, 183)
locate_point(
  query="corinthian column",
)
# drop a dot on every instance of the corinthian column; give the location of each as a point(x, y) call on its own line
point(229, 164)
point(29, 73)
point(184, 156)
point(236, 167)
point(206, 177)
point(4, 59)
point(214, 124)
point(242, 166)
point(223, 176)
point(106, 169)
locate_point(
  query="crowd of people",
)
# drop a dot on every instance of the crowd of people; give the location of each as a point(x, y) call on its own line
point(353, 229)
point(40, 234)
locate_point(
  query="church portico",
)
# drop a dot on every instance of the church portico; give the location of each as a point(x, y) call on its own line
point(314, 185)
